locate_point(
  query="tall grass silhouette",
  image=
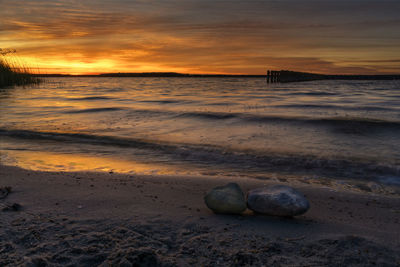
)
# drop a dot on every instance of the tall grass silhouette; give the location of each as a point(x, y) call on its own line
point(12, 72)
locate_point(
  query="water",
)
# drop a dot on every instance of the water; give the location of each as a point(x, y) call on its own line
point(336, 130)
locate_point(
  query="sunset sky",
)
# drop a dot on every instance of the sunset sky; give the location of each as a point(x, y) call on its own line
point(203, 36)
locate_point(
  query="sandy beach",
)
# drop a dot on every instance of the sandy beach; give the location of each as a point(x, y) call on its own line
point(109, 219)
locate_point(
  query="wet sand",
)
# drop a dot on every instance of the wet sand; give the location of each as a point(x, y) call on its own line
point(91, 219)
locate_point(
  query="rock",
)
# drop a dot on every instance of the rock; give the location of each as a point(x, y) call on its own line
point(4, 191)
point(374, 187)
point(11, 207)
point(228, 199)
point(277, 200)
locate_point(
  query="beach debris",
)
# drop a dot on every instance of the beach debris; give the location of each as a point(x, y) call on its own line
point(295, 239)
point(228, 199)
point(277, 200)
point(4, 191)
point(10, 207)
point(375, 188)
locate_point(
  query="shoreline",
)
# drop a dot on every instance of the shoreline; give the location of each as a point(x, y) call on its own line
point(163, 220)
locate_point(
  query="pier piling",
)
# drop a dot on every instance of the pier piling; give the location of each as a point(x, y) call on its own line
point(285, 76)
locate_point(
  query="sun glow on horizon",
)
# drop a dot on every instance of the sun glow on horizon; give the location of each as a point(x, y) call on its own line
point(76, 67)
point(62, 66)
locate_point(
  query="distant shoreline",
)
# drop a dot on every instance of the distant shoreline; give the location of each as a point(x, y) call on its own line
point(156, 74)
point(284, 76)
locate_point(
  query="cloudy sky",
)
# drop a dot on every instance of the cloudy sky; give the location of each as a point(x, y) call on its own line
point(204, 36)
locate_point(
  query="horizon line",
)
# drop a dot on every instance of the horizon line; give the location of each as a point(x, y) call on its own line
point(169, 73)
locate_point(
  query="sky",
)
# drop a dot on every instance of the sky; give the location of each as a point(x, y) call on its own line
point(203, 36)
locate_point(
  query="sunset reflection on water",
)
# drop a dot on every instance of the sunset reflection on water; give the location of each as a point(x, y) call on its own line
point(199, 125)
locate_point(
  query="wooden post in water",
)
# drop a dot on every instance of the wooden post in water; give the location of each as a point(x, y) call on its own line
point(273, 76)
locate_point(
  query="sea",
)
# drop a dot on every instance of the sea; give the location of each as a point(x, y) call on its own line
point(329, 132)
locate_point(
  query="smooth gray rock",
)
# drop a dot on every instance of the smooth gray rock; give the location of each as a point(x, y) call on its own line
point(228, 199)
point(277, 200)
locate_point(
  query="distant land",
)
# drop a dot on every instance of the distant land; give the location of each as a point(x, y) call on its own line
point(271, 76)
point(154, 74)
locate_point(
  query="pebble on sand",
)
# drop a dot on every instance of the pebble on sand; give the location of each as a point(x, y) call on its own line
point(228, 199)
point(4, 191)
point(277, 200)
point(10, 207)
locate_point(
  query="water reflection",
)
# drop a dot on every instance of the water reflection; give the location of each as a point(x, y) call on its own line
point(324, 121)
point(45, 161)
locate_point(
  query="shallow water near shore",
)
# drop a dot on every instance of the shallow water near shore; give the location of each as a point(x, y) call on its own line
point(319, 131)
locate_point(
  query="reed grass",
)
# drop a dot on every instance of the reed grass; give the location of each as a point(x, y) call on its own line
point(13, 72)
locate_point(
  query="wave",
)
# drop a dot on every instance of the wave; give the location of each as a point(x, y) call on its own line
point(164, 101)
point(90, 98)
point(342, 124)
point(335, 107)
point(77, 138)
point(347, 123)
point(92, 110)
point(331, 121)
point(209, 115)
point(221, 157)
point(313, 93)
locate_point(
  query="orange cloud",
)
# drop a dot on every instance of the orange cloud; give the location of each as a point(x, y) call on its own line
point(208, 37)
